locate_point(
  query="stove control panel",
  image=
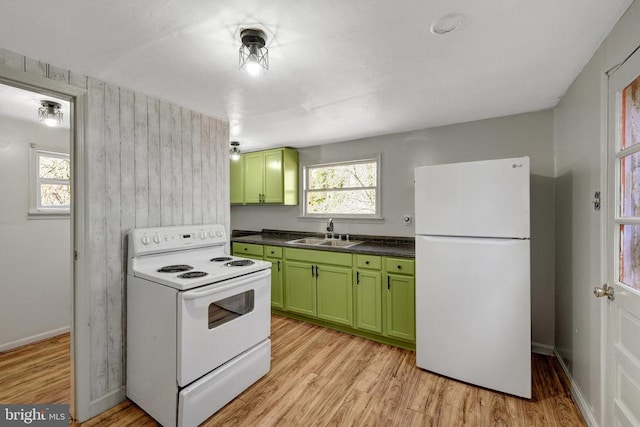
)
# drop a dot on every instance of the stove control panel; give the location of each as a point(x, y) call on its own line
point(164, 239)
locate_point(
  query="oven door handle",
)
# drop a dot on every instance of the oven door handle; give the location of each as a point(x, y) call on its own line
point(252, 277)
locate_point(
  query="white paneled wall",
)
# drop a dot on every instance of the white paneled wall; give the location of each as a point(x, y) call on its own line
point(150, 163)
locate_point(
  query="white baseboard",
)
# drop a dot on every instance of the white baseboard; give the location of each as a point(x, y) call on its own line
point(578, 396)
point(545, 349)
point(106, 402)
point(34, 338)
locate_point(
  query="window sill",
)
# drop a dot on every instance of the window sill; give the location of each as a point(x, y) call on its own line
point(324, 218)
point(48, 214)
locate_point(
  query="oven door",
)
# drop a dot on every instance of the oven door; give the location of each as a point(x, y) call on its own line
point(217, 322)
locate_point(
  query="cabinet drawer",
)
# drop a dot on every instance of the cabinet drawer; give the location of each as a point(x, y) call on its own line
point(400, 266)
point(369, 261)
point(241, 249)
point(319, 257)
point(273, 251)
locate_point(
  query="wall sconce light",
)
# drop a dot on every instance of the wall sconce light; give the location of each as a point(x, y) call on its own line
point(50, 113)
point(235, 151)
point(254, 57)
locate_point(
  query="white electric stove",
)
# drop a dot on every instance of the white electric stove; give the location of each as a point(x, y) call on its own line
point(198, 322)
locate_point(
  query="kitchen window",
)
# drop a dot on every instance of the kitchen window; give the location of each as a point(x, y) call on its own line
point(50, 176)
point(344, 189)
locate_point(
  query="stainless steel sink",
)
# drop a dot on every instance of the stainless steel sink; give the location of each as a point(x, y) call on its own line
point(340, 243)
point(314, 241)
point(307, 241)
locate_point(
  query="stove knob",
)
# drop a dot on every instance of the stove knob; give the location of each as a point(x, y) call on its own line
point(157, 239)
point(145, 240)
point(219, 234)
point(203, 235)
point(212, 234)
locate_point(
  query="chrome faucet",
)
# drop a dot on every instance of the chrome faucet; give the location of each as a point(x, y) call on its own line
point(330, 227)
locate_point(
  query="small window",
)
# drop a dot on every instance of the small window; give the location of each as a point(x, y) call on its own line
point(51, 183)
point(345, 189)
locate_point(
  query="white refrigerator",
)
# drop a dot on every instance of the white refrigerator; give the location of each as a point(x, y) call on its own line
point(473, 309)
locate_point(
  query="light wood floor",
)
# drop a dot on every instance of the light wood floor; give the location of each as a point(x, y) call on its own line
point(322, 377)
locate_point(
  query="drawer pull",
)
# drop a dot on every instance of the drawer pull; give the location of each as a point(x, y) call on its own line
point(399, 267)
point(366, 262)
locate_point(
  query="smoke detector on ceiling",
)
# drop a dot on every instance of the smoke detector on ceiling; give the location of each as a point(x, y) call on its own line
point(447, 24)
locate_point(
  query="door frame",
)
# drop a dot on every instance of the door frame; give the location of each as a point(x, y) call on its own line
point(80, 295)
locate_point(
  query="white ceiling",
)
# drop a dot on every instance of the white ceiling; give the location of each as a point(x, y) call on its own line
point(339, 70)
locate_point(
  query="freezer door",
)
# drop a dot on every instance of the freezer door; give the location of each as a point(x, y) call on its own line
point(473, 315)
point(480, 199)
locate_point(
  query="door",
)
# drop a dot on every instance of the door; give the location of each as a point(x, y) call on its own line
point(221, 321)
point(622, 388)
point(273, 185)
point(473, 318)
point(482, 199)
point(301, 288)
point(253, 177)
point(368, 300)
point(400, 307)
point(335, 294)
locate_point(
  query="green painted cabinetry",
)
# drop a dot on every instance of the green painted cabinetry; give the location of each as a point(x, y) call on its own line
point(300, 288)
point(273, 254)
point(236, 181)
point(318, 284)
point(400, 320)
point(268, 177)
point(368, 293)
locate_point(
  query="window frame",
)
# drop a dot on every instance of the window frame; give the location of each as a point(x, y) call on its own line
point(36, 210)
point(304, 190)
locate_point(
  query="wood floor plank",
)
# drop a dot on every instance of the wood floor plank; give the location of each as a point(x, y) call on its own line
point(321, 377)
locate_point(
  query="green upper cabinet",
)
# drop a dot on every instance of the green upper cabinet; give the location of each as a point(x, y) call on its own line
point(269, 176)
point(236, 180)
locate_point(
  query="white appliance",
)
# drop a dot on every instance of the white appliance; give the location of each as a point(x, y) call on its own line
point(473, 310)
point(198, 322)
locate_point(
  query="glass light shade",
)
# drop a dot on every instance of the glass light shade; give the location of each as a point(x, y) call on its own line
point(235, 154)
point(50, 113)
point(254, 60)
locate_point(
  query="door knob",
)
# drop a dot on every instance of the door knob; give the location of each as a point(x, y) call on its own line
point(605, 290)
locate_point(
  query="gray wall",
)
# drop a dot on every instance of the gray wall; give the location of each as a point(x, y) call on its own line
point(580, 138)
point(35, 301)
point(149, 163)
point(520, 135)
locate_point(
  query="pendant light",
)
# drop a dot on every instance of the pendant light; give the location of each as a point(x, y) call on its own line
point(50, 113)
point(234, 153)
point(254, 57)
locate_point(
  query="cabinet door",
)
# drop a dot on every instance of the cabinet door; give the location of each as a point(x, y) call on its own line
point(236, 179)
point(276, 282)
point(368, 294)
point(400, 307)
point(253, 177)
point(273, 184)
point(335, 294)
point(300, 292)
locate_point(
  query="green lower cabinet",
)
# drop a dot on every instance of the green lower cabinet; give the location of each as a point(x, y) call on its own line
point(400, 307)
point(335, 294)
point(300, 288)
point(368, 295)
point(277, 294)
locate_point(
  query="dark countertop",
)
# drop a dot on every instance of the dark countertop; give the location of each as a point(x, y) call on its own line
point(373, 245)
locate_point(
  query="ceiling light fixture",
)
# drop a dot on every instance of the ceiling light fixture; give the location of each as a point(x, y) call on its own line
point(50, 113)
point(254, 57)
point(235, 151)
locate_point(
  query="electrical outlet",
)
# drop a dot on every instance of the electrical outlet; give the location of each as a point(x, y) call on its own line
point(406, 219)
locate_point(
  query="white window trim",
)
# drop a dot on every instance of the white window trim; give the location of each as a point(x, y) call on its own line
point(377, 217)
point(36, 211)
